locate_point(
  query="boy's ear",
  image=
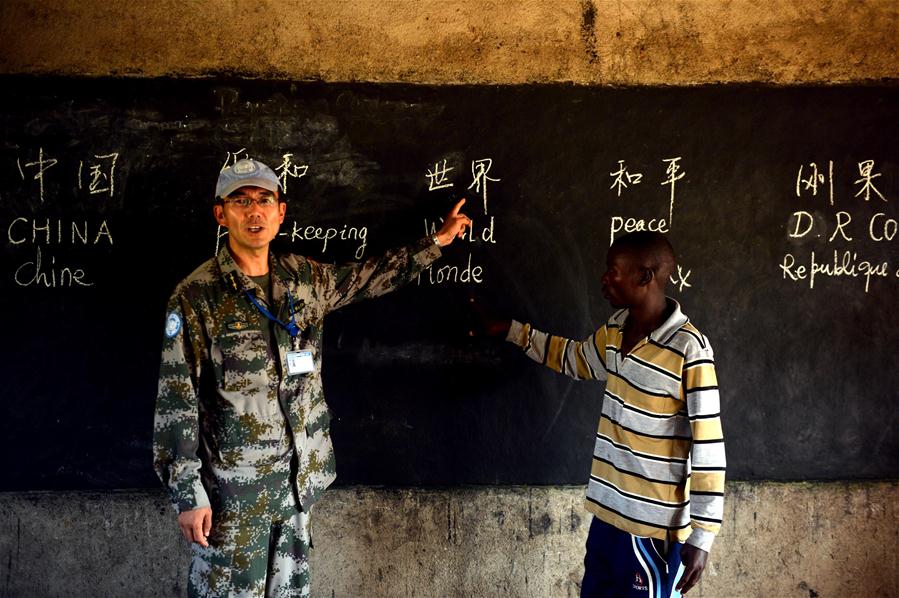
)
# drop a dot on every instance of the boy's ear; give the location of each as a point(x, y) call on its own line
point(646, 276)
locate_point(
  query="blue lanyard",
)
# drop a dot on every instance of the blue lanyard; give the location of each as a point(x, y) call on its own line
point(291, 327)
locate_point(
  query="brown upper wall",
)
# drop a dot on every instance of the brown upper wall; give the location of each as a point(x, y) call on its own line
point(598, 42)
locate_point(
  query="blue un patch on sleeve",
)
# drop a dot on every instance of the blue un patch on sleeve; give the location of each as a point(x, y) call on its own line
point(172, 325)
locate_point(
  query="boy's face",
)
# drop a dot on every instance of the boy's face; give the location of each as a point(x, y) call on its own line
point(621, 281)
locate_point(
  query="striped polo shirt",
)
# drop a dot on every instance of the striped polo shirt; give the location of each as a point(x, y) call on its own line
point(658, 462)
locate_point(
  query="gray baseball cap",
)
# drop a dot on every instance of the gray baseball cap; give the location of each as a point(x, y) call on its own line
point(246, 173)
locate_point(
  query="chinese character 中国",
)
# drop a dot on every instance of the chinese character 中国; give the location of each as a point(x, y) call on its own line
point(101, 174)
point(42, 166)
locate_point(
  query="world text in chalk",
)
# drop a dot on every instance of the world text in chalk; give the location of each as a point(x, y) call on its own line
point(468, 273)
point(438, 177)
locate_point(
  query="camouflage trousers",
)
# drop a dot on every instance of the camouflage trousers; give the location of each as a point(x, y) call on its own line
point(258, 558)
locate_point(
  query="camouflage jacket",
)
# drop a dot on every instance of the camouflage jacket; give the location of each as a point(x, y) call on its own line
point(228, 415)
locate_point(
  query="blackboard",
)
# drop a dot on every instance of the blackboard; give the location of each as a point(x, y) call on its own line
point(110, 181)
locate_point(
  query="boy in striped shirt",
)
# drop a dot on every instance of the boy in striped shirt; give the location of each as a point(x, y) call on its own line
point(656, 488)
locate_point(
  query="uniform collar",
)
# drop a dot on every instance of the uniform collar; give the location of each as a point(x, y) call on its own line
point(235, 278)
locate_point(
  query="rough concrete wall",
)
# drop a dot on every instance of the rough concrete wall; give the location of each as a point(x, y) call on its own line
point(606, 42)
point(778, 540)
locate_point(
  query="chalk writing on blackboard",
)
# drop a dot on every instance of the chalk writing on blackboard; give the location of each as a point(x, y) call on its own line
point(38, 166)
point(480, 231)
point(807, 224)
point(814, 178)
point(437, 178)
point(295, 231)
point(865, 169)
point(630, 225)
point(674, 173)
point(288, 170)
point(233, 157)
point(41, 271)
point(38, 273)
point(100, 174)
point(681, 280)
point(95, 175)
point(467, 273)
point(623, 178)
point(49, 231)
point(479, 170)
point(845, 264)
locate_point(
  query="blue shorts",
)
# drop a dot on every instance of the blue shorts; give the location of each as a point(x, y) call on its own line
point(621, 565)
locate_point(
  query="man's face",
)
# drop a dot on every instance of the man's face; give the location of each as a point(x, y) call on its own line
point(251, 228)
point(621, 280)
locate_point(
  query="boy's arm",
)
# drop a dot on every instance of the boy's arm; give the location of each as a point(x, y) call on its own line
point(581, 360)
point(708, 462)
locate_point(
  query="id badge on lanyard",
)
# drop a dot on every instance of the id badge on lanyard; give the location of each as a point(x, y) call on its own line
point(300, 362)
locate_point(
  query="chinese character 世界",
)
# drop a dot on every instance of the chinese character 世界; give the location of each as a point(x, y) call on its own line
point(437, 177)
point(479, 170)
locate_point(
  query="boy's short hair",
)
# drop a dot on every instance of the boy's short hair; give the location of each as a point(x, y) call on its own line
point(652, 248)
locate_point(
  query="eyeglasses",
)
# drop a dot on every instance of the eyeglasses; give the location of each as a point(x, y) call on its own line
point(265, 201)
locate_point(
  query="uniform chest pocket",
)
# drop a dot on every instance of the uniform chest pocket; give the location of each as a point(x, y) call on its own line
point(244, 362)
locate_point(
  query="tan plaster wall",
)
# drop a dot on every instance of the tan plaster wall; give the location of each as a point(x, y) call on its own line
point(606, 42)
point(832, 540)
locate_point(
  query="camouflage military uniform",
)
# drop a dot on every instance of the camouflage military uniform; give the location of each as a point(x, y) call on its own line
point(235, 432)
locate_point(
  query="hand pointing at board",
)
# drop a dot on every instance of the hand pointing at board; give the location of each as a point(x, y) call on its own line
point(453, 226)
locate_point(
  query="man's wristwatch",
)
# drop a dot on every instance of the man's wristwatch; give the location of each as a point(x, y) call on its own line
point(436, 240)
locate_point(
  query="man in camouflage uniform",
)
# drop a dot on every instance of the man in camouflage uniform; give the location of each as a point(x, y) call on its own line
point(241, 429)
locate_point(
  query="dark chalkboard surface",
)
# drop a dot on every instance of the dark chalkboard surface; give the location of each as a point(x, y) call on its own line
point(108, 184)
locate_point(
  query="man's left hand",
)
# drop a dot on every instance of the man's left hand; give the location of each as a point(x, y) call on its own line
point(454, 225)
point(694, 560)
